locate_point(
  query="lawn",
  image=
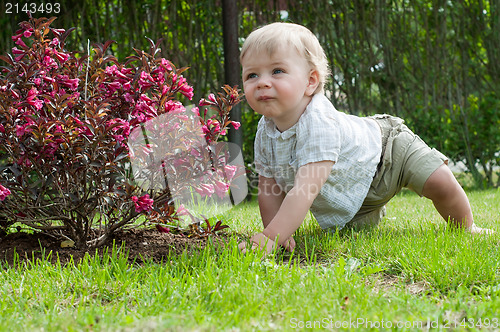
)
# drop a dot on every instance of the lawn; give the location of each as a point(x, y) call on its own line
point(410, 273)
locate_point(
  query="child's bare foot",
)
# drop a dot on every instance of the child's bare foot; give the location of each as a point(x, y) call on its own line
point(478, 230)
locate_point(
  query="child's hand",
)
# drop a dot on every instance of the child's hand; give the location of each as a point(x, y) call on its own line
point(259, 241)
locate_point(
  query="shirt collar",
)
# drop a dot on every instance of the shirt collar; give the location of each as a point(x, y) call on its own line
point(273, 132)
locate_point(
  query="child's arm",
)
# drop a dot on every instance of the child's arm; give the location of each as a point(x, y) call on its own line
point(270, 197)
point(308, 182)
point(295, 205)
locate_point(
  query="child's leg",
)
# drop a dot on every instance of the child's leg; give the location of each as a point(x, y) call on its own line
point(448, 197)
point(407, 161)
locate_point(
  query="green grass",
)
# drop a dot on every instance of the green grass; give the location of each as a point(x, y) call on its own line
point(410, 270)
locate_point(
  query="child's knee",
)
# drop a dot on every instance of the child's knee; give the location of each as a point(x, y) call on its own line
point(441, 184)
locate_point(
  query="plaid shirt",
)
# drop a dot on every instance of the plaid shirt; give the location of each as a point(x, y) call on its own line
point(323, 133)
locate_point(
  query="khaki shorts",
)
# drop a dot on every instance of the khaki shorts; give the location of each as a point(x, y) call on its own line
point(407, 161)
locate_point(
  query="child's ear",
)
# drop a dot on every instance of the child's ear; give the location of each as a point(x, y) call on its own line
point(312, 83)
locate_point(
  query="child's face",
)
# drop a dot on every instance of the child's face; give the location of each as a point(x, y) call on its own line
point(278, 86)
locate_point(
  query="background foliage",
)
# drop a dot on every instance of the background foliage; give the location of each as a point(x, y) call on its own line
point(435, 63)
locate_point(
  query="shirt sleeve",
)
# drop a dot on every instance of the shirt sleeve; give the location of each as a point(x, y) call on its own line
point(261, 152)
point(318, 139)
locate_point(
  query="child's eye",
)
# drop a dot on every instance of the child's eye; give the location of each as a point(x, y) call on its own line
point(278, 71)
point(251, 75)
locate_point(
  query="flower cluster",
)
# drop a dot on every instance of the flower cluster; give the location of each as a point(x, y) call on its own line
point(143, 203)
point(218, 183)
point(4, 192)
point(215, 125)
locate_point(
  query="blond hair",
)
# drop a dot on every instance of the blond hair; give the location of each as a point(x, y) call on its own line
point(274, 36)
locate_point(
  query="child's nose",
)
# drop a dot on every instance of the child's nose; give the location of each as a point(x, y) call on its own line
point(264, 82)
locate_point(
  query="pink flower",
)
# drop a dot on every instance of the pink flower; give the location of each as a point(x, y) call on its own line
point(221, 188)
point(24, 129)
point(196, 111)
point(127, 86)
point(120, 127)
point(62, 57)
point(118, 124)
point(49, 79)
point(118, 138)
point(28, 33)
point(212, 125)
point(21, 43)
point(37, 103)
point(146, 99)
point(128, 96)
point(54, 41)
point(143, 203)
point(147, 149)
point(162, 229)
point(58, 129)
point(204, 102)
point(16, 37)
point(15, 50)
point(187, 91)
point(32, 93)
point(144, 108)
point(145, 80)
point(164, 62)
point(32, 100)
point(205, 129)
point(236, 124)
point(58, 31)
point(182, 211)
point(205, 189)
point(174, 107)
point(113, 86)
point(230, 171)
point(121, 75)
point(4, 192)
point(49, 62)
point(195, 153)
point(165, 89)
point(71, 83)
point(111, 70)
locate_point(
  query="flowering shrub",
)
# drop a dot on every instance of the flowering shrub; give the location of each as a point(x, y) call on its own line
point(65, 122)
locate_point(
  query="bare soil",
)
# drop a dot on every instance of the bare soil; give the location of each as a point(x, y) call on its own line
point(140, 244)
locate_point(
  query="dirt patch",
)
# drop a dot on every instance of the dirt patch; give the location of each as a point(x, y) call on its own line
point(140, 244)
point(388, 283)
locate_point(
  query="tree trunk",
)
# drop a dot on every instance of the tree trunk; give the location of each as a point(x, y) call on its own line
point(231, 61)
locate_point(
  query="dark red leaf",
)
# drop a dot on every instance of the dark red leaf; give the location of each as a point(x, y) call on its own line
point(162, 229)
